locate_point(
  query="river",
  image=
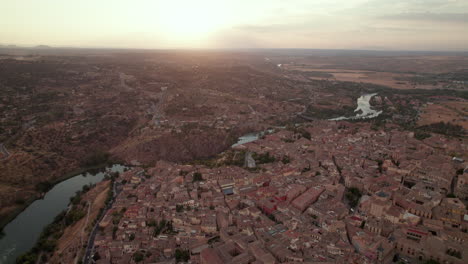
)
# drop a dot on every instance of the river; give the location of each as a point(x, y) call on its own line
point(22, 233)
point(250, 137)
point(364, 109)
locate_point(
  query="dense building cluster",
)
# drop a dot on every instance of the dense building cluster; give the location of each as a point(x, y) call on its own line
point(349, 194)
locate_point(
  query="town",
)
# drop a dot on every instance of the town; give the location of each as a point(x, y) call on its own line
point(326, 192)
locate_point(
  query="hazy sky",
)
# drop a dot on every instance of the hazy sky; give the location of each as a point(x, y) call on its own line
point(324, 24)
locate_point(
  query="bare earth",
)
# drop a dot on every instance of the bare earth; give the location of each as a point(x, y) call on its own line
point(71, 243)
point(445, 111)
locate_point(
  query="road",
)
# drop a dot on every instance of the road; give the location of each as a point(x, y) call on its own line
point(90, 246)
point(5, 152)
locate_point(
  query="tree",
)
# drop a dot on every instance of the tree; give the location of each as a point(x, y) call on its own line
point(138, 256)
point(182, 255)
point(197, 176)
point(152, 222)
point(451, 195)
point(96, 256)
point(353, 195)
point(306, 134)
point(179, 208)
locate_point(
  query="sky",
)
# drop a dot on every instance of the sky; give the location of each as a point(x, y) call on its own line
point(161, 24)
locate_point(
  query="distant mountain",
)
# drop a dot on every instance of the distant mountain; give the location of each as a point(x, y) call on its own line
point(42, 47)
point(7, 46)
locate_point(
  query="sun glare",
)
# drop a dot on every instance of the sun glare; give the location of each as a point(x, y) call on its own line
point(187, 20)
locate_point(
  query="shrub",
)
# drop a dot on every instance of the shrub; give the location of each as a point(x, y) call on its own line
point(182, 255)
point(97, 158)
point(197, 176)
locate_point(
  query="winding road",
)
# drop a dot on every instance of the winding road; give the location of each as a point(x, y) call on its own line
point(4, 151)
point(90, 245)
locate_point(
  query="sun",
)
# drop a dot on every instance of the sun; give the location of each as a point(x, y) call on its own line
point(186, 20)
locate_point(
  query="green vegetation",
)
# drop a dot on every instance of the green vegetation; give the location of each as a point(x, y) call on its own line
point(420, 135)
point(306, 169)
point(117, 216)
point(286, 159)
point(151, 223)
point(138, 256)
point(328, 113)
point(431, 261)
point(454, 253)
point(47, 241)
point(317, 74)
point(353, 195)
point(213, 240)
point(263, 158)
point(197, 176)
point(44, 186)
point(164, 226)
point(27, 258)
point(96, 158)
point(380, 164)
point(443, 128)
point(182, 255)
point(179, 208)
point(74, 216)
point(20, 201)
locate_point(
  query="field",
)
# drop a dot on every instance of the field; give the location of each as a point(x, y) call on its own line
point(445, 111)
point(399, 72)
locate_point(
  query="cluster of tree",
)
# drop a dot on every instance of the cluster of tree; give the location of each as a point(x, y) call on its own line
point(47, 241)
point(448, 129)
point(117, 216)
point(74, 216)
point(95, 159)
point(299, 130)
point(197, 176)
point(164, 226)
point(44, 186)
point(421, 135)
point(179, 208)
point(453, 253)
point(263, 158)
point(353, 195)
point(138, 256)
point(182, 255)
point(286, 159)
point(328, 113)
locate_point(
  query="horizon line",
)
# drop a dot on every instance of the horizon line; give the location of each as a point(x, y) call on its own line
point(48, 47)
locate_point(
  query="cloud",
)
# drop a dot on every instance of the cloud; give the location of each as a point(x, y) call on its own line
point(431, 17)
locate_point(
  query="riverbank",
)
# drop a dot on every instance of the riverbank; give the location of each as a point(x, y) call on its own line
point(20, 208)
point(74, 238)
point(22, 232)
point(363, 110)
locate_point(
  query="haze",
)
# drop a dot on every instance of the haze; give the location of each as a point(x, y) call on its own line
point(325, 24)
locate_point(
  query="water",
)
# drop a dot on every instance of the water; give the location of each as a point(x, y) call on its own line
point(364, 107)
point(250, 137)
point(247, 138)
point(22, 233)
